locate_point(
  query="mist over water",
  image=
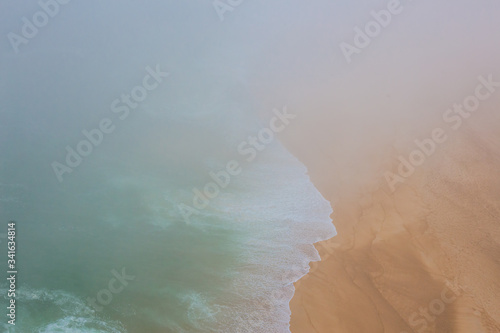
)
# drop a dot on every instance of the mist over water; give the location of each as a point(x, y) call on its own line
point(229, 269)
point(116, 211)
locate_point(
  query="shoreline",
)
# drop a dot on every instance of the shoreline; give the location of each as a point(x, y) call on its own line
point(410, 260)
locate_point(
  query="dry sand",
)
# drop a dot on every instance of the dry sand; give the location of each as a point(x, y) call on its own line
point(425, 258)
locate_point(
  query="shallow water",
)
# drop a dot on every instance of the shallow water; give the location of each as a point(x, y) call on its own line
point(229, 269)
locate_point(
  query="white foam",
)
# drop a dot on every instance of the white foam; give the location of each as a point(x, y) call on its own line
point(280, 214)
point(77, 315)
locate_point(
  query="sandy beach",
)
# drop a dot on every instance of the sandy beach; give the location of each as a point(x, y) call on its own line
point(424, 258)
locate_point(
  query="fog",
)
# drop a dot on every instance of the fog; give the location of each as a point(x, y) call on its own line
point(207, 77)
point(263, 55)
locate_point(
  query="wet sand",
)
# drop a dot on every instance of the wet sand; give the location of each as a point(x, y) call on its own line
point(424, 258)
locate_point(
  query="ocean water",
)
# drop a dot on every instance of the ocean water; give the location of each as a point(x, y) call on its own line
point(107, 249)
point(230, 269)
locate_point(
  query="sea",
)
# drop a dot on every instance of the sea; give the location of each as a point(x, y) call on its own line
point(230, 268)
point(102, 240)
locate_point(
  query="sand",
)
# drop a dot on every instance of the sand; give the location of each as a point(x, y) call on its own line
point(424, 258)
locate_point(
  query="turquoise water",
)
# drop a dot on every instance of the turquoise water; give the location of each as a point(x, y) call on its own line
point(229, 270)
